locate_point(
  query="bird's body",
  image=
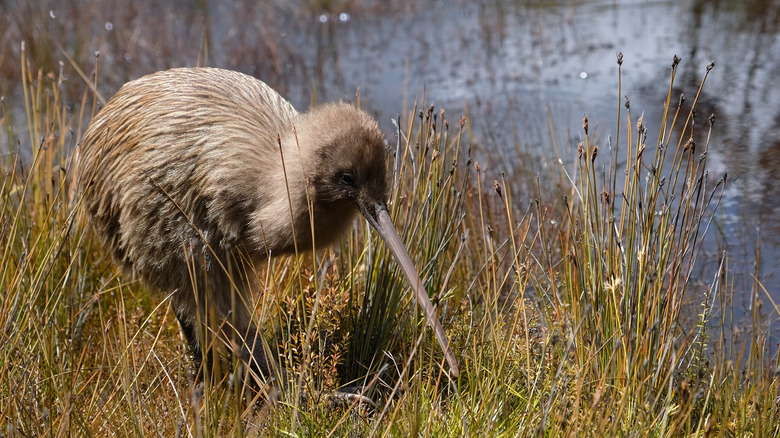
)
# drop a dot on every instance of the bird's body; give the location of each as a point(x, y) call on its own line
point(191, 176)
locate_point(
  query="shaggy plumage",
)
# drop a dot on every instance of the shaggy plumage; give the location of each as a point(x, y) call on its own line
point(183, 180)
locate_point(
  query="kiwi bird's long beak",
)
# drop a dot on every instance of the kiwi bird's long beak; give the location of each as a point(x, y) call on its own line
point(381, 222)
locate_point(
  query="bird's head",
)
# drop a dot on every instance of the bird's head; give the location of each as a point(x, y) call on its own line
point(348, 159)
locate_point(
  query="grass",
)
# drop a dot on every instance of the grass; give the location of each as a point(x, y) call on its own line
point(580, 313)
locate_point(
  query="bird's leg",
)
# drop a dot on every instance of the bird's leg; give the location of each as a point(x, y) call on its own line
point(262, 374)
point(244, 336)
point(197, 347)
point(190, 332)
point(234, 313)
point(217, 311)
point(254, 354)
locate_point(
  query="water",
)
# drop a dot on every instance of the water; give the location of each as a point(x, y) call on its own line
point(517, 62)
point(511, 63)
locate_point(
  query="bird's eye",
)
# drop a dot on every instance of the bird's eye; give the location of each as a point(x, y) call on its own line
point(347, 179)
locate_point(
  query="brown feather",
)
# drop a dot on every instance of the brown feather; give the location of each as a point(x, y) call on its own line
point(182, 174)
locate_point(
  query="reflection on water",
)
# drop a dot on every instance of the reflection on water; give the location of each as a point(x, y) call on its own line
point(512, 63)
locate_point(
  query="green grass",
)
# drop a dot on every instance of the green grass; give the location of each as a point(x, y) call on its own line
point(578, 314)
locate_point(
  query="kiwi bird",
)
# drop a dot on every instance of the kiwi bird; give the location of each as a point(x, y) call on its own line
point(192, 176)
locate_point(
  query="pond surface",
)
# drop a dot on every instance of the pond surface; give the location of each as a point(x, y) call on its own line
point(514, 64)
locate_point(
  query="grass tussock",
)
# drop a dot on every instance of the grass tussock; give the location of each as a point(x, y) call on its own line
point(581, 312)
